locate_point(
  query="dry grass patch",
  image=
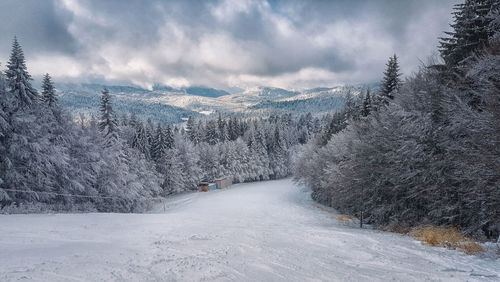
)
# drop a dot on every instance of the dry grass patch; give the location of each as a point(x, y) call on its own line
point(448, 237)
point(346, 219)
point(324, 209)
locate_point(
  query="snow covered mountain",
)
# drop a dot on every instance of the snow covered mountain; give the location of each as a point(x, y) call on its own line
point(165, 103)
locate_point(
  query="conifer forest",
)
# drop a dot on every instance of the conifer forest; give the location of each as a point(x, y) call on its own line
point(120, 130)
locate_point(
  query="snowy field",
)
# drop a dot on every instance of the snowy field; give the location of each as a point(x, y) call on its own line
point(267, 231)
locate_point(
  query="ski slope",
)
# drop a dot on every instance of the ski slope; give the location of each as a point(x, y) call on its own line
point(267, 231)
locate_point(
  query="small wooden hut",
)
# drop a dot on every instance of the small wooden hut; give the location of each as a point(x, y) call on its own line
point(206, 186)
point(224, 182)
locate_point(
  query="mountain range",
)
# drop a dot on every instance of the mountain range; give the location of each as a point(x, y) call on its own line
point(175, 105)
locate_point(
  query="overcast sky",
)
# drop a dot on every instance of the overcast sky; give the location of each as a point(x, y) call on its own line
point(222, 44)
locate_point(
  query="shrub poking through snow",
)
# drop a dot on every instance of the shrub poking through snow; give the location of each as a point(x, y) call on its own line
point(448, 237)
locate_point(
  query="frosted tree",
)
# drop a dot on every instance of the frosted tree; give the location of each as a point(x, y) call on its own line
point(222, 129)
point(171, 171)
point(191, 130)
point(49, 96)
point(189, 160)
point(366, 104)
point(140, 140)
point(278, 156)
point(158, 147)
point(258, 154)
point(4, 131)
point(211, 136)
point(108, 124)
point(209, 161)
point(169, 137)
point(391, 81)
point(471, 30)
point(18, 77)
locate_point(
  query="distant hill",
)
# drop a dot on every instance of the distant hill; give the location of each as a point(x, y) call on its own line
point(86, 100)
point(205, 91)
point(175, 105)
point(193, 90)
point(309, 105)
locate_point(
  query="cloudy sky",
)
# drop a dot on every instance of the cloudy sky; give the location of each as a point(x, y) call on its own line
point(222, 44)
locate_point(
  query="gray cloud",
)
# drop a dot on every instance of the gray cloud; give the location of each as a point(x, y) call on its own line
point(40, 25)
point(222, 43)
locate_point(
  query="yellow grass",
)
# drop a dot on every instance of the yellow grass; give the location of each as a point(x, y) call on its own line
point(324, 209)
point(346, 219)
point(448, 237)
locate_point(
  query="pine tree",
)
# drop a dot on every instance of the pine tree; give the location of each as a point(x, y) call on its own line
point(222, 129)
point(19, 78)
point(191, 130)
point(391, 81)
point(169, 137)
point(140, 140)
point(367, 104)
point(211, 136)
point(133, 121)
point(350, 105)
point(471, 30)
point(48, 92)
point(169, 166)
point(158, 147)
point(108, 123)
point(278, 155)
point(4, 132)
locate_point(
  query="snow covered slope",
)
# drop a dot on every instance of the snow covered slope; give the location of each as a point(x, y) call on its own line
point(267, 231)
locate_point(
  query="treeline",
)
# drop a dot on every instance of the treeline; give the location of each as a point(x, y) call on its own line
point(46, 159)
point(246, 150)
point(49, 162)
point(426, 150)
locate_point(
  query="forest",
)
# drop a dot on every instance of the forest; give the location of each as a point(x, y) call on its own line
point(106, 163)
point(423, 150)
point(426, 150)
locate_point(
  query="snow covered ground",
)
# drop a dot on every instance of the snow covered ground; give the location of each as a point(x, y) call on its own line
point(267, 231)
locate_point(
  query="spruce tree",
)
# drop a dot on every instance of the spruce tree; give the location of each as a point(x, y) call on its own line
point(367, 104)
point(4, 132)
point(191, 130)
point(391, 81)
point(158, 147)
point(18, 77)
point(108, 123)
point(221, 126)
point(48, 92)
point(471, 30)
point(140, 140)
point(169, 137)
point(211, 136)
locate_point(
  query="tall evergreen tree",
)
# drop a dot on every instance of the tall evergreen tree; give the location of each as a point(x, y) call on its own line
point(367, 104)
point(140, 140)
point(169, 137)
point(108, 124)
point(158, 147)
point(471, 30)
point(4, 132)
point(391, 81)
point(191, 130)
point(18, 77)
point(211, 136)
point(48, 92)
point(222, 128)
